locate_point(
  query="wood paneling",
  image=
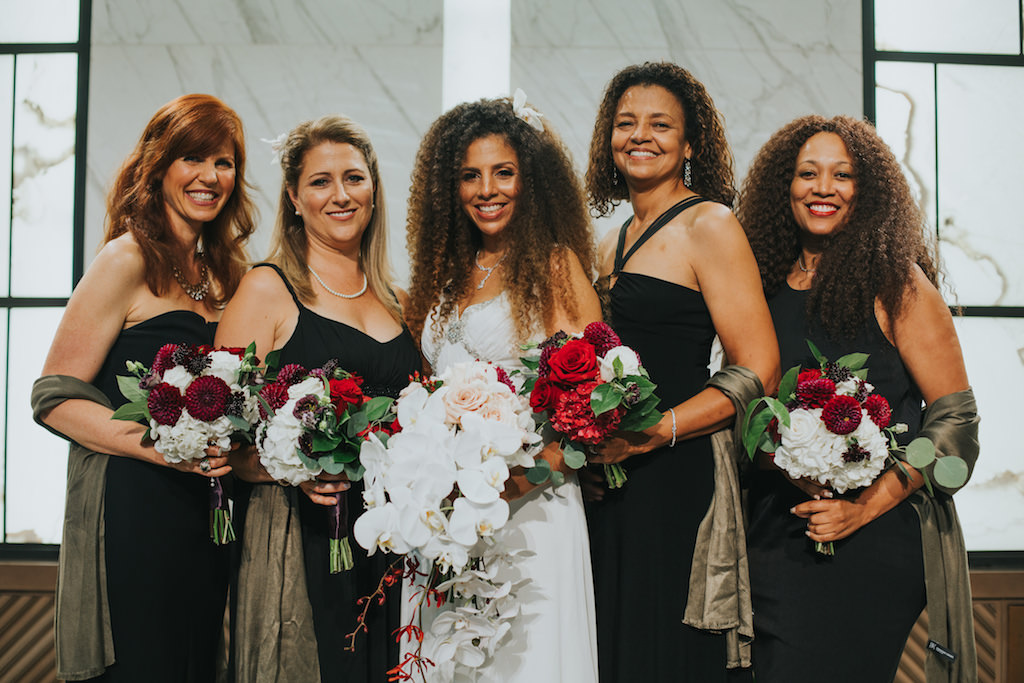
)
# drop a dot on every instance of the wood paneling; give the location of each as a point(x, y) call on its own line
point(26, 623)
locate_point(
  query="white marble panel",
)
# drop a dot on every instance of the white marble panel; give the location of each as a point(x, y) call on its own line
point(36, 460)
point(39, 21)
point(267, 22)
point(991, 506)
point(394, 91)
point(980, 227)
point(985, 26)
point(905, 118)
point(6, 150)
point(44, 174)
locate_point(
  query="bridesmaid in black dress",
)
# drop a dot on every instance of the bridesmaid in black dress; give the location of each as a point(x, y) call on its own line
point(681, 272)
point(177, 218)
point(842, 251)
point(326, 293)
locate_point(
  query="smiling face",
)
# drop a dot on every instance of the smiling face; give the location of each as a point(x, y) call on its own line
point(823, 187)
point(489, 184)
point(648, 135)
point(196, 187)
point(334, 194)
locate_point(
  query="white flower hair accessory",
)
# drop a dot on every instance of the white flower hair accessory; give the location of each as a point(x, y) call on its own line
point(532, 117)
point(276, 146)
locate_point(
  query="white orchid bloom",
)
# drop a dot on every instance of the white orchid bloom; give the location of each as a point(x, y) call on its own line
point(471, 521)
point(485, 482)
point(378, 528)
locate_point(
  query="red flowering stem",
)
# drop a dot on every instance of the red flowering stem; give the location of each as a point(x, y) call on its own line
point(221, 530)
point(340, 549)
point(615, 475)
point(377, 597)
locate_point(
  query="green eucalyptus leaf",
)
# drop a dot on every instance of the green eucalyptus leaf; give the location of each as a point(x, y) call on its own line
point(354, 471)
point(574, 456)
point(788, 384)
point(129, 387)
point(239, 423)
point(950, 471)
point(557, 478)
point(853, 361)
point(920, 452)
point(324, 444)
point(310, 464)
point(344, 454)
point(330, 466)
point(539, 473)
point(604, 398)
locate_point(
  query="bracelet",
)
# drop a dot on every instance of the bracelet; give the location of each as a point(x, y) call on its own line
point(672, 443)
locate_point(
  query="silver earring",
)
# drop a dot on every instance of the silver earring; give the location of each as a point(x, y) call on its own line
point(687, 173)
point(615, 176)
point(297, 212)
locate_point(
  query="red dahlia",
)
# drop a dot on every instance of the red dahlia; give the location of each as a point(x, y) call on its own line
point(276, 395)
point(815, 393)
point(841, 415)
point(163, 360)
point(165, 403)
point(879, 410)
point(602, 337)
point(207, 398)
point(807, 375)
point(290, 374)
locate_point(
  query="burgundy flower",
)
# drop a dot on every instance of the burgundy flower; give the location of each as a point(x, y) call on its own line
point(504, 378)
point(837, 373)
point(879, 410)
point(163, 360)
point(544, 366)
point(602, 336)
point(856, 453)
point(197, 363)
point(841, 415)
point(544, 395)
point(574, 363)
point(236, 404)
point(207, 398)
point(276, 395)
point(291, 374)
point(345, 393)
point(165, 403)
point(815, 393)
point(182, 354)
point(236, 350)
point(807, 375)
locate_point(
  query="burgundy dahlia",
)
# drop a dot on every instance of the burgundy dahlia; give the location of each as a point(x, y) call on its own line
point(207, 398)
point(602, 337)
point(841, 415)
point(815, 393)
point(276, 395)
point(290, 374)
point(164, 360)
point(165, 403)
point(879, 410)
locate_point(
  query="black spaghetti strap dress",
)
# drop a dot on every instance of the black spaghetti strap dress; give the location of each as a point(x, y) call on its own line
point(843, 618)
point(385, 368)
point(166, 580)
point(642, 535)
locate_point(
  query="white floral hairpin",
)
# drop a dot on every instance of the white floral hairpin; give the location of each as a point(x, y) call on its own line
point(531, 116)
point(276, 146)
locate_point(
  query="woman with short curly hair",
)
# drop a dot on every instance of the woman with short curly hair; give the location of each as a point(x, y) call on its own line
point(503, 254)
point(670, 587)
point(847, 264)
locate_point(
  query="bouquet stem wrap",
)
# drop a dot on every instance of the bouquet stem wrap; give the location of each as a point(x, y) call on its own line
point(221, 530)
point(337, 528)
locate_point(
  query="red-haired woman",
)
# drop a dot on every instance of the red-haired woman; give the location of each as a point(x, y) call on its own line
point(141, 587)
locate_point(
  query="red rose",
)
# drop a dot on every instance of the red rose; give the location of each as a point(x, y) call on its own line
point(574, 363)
point(544, 395)
point(345, 393)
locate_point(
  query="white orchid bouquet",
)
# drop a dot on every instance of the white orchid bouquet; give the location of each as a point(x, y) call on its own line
point(432, 492)
point(193, 397)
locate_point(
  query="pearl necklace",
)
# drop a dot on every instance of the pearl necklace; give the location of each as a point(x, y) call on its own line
point(339, 294)
point(800, 262)
point(488, 271)
point(197, 292)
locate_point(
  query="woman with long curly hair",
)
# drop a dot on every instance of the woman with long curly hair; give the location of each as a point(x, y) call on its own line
point(669, 563)
point(843, 254)
point(142, 587)
point(324, 294)
point(503, 254)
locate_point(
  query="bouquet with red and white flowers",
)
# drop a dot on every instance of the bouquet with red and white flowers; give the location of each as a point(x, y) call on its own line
point(315, 421)
point(828, 426)
point(589, 385)
point(194, 397)
point(433, 493)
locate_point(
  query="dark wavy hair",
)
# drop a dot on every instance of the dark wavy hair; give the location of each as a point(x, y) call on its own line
point(189, 125)
point(550, 217)
point(871, 257)
point(711, 163)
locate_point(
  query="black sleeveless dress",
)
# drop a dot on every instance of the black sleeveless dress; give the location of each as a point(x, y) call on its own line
point(166, 580)
point(385, 368)
point(843, 618)
point(642, 535)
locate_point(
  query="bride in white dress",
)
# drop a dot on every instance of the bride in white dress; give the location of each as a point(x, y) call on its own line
point(502, 254)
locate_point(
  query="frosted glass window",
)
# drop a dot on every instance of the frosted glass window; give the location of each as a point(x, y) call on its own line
point(6, 150)
point(980, 147)
point(39, 21)
point(981, 26)
point(994, 352)
point(905, 118)
point(36, 461)
point(46, 87)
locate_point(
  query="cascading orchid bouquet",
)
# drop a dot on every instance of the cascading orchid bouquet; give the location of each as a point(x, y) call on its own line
point(194, 397)
point(315, 421)
point(589, 385)
point(828, 426)
point(432, 492)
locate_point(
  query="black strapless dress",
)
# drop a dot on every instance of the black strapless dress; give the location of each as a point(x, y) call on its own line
point(166, 580)
point(642, 535)
point(385, 368)
point(843, 618)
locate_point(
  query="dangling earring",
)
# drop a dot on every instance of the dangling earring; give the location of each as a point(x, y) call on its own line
point(615, 176)
point(687, 173)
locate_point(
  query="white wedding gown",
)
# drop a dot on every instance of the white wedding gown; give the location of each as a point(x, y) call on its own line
point(554, 639)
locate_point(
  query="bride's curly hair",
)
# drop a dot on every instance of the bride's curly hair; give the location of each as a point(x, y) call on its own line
point(711, 163)
point(870, 257)
point(550, 219)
